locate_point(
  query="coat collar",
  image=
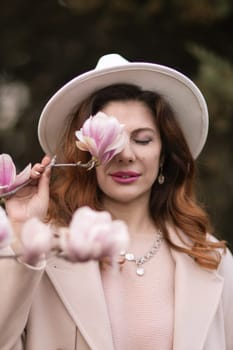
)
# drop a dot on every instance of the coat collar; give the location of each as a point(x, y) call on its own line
point(80, 289)
point(197, 295)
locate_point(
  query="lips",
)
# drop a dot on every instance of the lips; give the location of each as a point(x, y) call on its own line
point(125, 176)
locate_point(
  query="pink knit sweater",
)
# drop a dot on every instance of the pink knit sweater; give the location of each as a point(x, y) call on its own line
point(141, 307)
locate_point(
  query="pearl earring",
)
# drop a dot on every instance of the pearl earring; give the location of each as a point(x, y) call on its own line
point(161, 177)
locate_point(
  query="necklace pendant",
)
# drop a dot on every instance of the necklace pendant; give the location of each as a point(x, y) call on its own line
point(140, 271)
point(129, 256)
point(139, 261)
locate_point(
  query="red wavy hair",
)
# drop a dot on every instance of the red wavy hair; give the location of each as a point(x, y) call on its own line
point(172, 203)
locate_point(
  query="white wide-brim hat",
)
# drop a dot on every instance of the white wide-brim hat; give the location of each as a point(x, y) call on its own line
point(180, 92)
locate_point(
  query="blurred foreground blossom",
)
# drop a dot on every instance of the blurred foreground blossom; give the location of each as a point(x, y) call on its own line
point(91, 235)
point(8, 178)
point(36, 239)
point(101, 135)
point(6, 232)
point(94, 235)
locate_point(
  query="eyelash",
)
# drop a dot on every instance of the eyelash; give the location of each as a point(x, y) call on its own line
point(143, 142)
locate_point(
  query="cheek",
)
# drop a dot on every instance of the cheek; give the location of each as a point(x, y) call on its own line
point(100, 176)
point(152, 165)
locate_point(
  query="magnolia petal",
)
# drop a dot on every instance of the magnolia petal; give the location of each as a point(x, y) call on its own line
point(100, 130)
point(114, 148)
point(89, 236)
point(102, 241)
point(89, 244)
point(6, 232)
point(92, 128)
point(86, 128)
point(108, 156)
point(77, 253)
point(118, 143)
point(73, 248)
point(22, 177)
point(85, 218)
point(82, 219)
point(113, 140)
point(36, 239)
point(109, 131)
point(102, 217)
point(82, 146)
point(87, 144)
point(82, 139)
point(7, 171)
point(96, 126)
point(107, 140)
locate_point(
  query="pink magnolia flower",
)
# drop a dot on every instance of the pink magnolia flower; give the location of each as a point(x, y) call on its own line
point(6, 232)
point(8, 178)
point(103, 136)
point(36, 239)
point(93, 235)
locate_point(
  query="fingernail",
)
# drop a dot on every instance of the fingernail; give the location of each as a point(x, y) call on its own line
point(36, 172)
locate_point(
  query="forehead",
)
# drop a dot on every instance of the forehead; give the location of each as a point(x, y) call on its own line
point(133, 114)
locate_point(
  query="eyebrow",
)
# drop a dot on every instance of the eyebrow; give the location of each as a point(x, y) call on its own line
point(144, 129)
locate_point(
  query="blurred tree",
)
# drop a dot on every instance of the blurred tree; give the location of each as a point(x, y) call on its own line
point(215, 78)
point(45, 43)
point(203, 11)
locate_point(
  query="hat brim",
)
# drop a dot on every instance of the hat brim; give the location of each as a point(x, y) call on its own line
point(180, 92)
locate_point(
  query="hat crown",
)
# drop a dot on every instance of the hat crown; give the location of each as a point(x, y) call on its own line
point(110, 60)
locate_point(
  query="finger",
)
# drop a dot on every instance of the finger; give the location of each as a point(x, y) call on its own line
point(36, 171)
point(39, 168)
point(45, 161)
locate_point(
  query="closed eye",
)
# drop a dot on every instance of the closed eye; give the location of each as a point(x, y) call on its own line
point(142, 142)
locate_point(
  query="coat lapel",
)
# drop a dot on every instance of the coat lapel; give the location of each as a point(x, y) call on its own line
point(197, 296)
point(80, 289)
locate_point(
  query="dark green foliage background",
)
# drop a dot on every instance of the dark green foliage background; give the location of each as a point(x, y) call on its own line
point(45, 43)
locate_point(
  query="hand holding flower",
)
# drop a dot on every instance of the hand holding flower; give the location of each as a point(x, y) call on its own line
point(31, 200)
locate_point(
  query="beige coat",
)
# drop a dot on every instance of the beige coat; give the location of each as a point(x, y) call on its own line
point(62, 306)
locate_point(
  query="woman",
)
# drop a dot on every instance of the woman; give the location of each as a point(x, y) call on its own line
point(173, 286)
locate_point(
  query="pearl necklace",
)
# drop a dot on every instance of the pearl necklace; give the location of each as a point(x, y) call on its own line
point(139, 261)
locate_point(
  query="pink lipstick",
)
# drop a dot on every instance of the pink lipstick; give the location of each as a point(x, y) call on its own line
point(125, 177)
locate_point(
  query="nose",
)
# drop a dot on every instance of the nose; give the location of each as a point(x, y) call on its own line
point(127, 155)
